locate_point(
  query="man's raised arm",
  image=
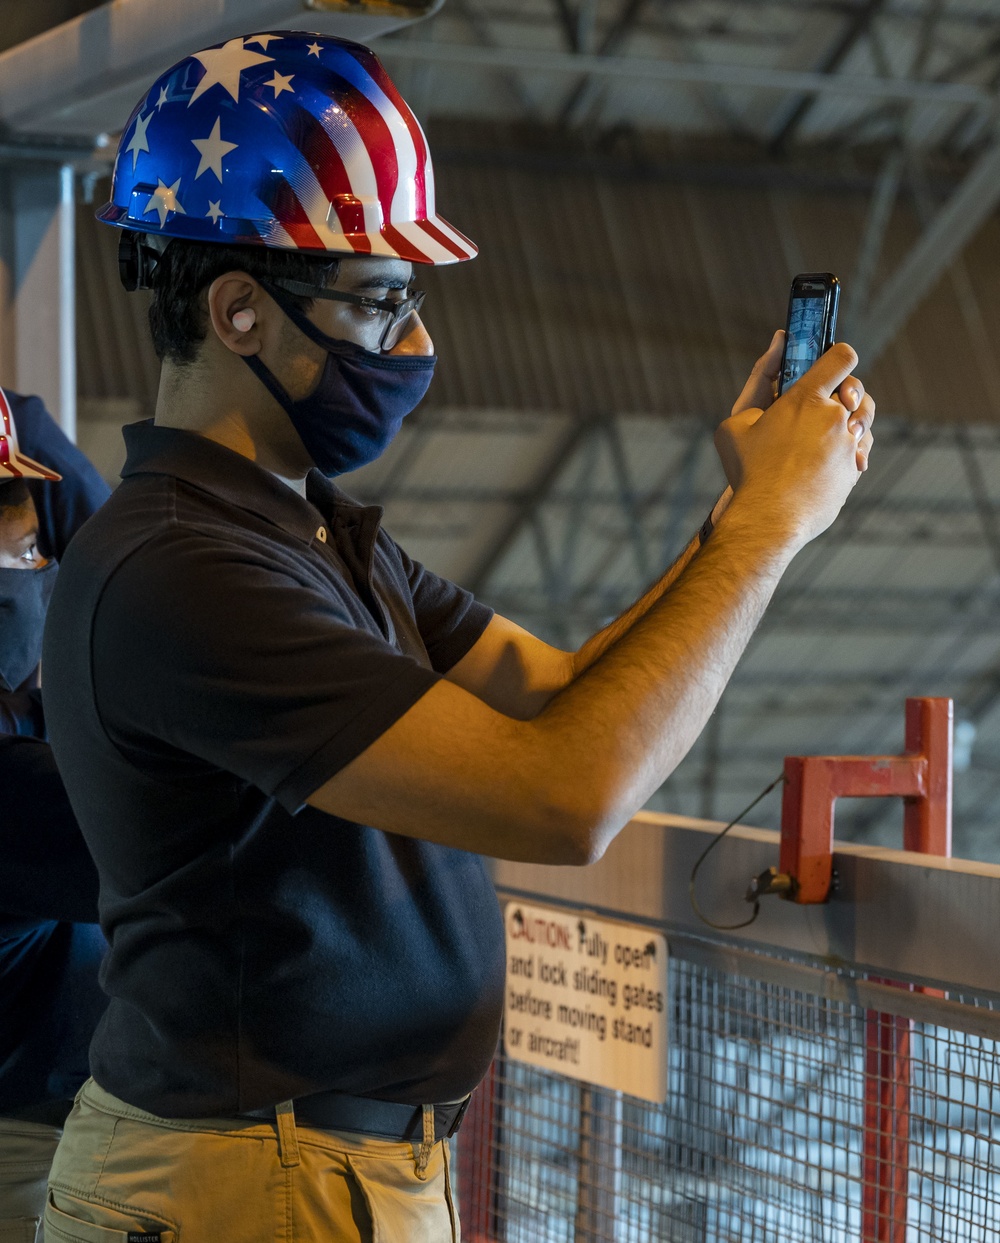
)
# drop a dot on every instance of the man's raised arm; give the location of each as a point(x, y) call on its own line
point(518, 674)
point(558, 788)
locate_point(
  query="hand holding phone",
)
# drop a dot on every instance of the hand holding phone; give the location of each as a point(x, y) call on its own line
point(812, 324)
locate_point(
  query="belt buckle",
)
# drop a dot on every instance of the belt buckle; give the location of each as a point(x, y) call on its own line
point(459, 1116)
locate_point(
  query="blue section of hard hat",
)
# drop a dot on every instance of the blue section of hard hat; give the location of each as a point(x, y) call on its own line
point(264, 154)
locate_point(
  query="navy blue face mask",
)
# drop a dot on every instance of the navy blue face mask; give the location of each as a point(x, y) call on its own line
point(24, 600)
point(360, 402)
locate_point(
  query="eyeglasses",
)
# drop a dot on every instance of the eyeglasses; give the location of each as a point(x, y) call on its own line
point(397, 311)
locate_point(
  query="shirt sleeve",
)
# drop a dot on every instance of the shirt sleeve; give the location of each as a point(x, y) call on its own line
point(47, 871)
point(199, 646)
point(450, 618)
point(65, 506)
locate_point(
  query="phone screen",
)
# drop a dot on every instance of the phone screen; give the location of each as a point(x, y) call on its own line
point(805, 336)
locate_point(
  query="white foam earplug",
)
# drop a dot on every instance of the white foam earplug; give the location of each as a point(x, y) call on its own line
point(243, 321)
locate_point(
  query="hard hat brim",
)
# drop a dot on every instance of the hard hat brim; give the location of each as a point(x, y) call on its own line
point(431, 241)
point(13, 463)
point(19, 466)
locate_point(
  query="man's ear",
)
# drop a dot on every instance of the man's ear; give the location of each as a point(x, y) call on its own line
point(234, 309)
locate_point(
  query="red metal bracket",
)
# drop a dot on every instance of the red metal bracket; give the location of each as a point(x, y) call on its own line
point(922, 777)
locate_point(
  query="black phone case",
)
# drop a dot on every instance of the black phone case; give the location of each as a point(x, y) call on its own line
point(831, 285)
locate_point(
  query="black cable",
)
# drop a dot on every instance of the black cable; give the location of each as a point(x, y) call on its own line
point(708, 850)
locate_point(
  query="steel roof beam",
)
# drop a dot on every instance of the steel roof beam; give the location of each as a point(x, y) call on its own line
point(879, 215)
point(681, 73)
point(479, 25)
point(83, 76)
point(945, 237)
point(545, 481)
point(570, 23)
point(581, 94)
point(855, 30)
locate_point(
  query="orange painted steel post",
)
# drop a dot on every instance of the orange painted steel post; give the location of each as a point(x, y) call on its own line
point(922, 777)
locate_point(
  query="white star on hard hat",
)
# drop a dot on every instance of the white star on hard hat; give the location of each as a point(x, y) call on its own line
point(164, 200)
point(212, 149)
point(223, 66)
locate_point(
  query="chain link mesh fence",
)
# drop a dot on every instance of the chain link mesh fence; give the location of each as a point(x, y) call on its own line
point(790, 1118)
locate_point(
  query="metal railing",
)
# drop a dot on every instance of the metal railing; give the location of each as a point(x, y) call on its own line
point(809, 1101)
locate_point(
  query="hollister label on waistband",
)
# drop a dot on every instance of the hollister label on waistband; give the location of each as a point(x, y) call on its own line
point(137, 1236)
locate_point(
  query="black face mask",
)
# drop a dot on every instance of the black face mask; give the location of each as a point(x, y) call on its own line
point(24, 599)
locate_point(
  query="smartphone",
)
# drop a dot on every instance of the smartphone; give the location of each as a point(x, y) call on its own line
point(812, 322)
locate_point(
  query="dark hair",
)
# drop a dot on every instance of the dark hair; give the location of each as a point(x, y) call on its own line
point(13, 493)
point(177, 320)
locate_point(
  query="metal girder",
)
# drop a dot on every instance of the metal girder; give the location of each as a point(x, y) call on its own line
point(545, 480)
point(84, 76)
point(570, 24)
point(941, 242)
point(876, 225)
point(854, 30)
point(628, 500)
point(44, 149)
point(479, 25)
point(581, 94)
point(986, 511)
point(649, 68)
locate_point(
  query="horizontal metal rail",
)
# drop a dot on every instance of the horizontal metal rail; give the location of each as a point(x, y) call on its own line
point(898, 916)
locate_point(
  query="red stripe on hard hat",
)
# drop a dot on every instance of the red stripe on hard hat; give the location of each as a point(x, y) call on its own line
point(321, 154)
point(5, 439)
point(294, 221)
point(6, 414)
point(442, 239)
point(380, 143)
point(375, 69)
point(407, 249)
point(5, 458)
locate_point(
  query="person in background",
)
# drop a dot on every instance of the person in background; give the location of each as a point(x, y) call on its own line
point(50, 943)
point(63, 510)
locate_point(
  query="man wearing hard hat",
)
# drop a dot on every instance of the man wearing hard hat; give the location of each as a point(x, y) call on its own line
point(287, 742)
point(50, 942)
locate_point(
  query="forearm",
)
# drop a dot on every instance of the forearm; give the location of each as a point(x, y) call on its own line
point(598, 644)
point(630, 718)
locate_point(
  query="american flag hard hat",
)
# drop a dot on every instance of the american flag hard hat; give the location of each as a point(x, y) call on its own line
point(13, 463)
point(286, 139)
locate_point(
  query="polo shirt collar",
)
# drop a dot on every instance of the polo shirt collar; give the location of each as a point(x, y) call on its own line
point(184, 455)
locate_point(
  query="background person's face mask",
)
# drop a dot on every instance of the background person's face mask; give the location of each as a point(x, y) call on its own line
point(360, 402)
point(24, 600)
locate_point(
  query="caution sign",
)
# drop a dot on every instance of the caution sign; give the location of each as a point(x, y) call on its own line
point(587, 998)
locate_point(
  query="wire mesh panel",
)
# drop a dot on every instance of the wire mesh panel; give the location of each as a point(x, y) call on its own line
point(789, 1119)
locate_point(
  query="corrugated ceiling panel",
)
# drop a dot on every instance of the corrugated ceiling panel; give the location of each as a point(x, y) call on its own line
point(595, 294)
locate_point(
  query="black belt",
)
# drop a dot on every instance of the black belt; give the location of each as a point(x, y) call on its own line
point(336, 1111)
point(49, 1113)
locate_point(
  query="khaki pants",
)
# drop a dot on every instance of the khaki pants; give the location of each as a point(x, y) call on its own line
point(26, 1150)
point(119, 1170)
